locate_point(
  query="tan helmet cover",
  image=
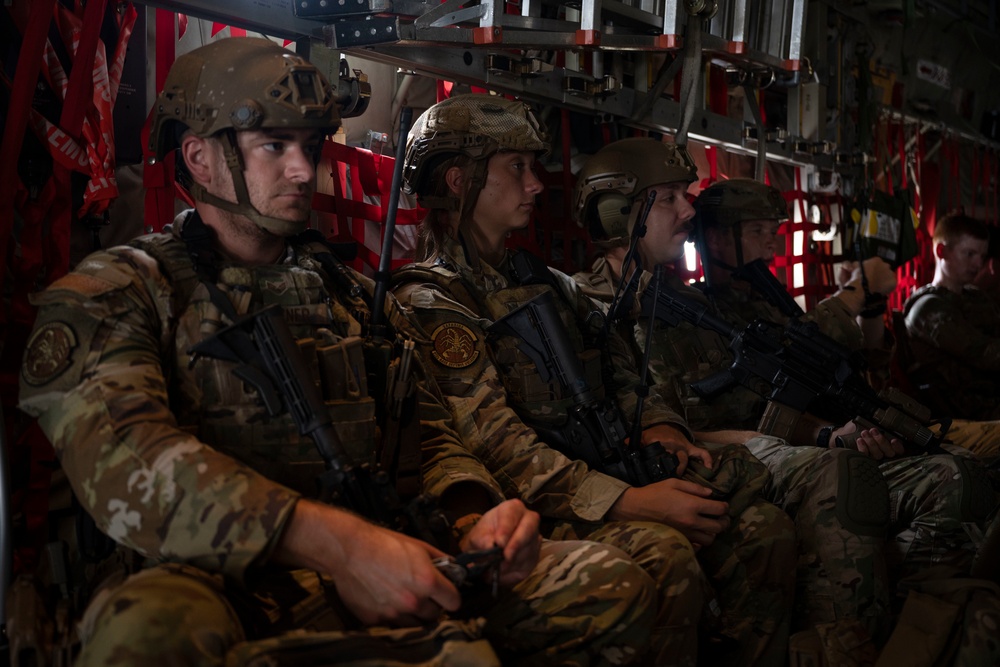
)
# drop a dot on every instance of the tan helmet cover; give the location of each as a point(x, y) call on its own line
point(475, 125)
point(613, 177)
point(243, 83)
point(726, 203)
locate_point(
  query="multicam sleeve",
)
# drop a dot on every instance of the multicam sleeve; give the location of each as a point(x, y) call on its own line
point(93, 375)
point(525, 468)
point(446, 464)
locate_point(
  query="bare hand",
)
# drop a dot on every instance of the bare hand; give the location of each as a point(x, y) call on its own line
point(871, 442)
point(676, 442)
point(846, 272)
point(881, 278)
point(678, 503)
point(515, 528)
point(383, 577)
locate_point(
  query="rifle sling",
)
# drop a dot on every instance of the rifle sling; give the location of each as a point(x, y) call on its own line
point(198, 241)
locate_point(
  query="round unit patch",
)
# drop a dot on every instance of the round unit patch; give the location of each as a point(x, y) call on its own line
point(49, 353)
point(454, 345)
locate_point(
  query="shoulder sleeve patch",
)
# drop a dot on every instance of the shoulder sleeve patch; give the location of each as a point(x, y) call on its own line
point(49, 353)
point(117, 267)
point(454, 345)
point(92, 285)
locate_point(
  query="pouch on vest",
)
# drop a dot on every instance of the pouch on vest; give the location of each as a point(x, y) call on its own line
point(344, 382)
point(538, 401)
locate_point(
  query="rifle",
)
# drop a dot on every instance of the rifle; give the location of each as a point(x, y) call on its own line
point(799, 369)
point(764, 283)
point(594, 431)
point(271, 362)
point(642, 387)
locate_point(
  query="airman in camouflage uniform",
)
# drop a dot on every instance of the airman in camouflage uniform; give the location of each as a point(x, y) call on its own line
point(841, 572)
point(954, 327)
point(838, 316)
point(470, 161)
point(177, 460)
point(938, 504)
point(928, 529)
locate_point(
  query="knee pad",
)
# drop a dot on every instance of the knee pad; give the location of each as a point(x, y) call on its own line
point(862, 495)
point(978, 497)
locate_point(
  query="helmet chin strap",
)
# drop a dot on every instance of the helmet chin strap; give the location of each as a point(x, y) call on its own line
point(715, 261)
point(635, 210)
point(708, 258)
point(738, 240)
point(242, 205)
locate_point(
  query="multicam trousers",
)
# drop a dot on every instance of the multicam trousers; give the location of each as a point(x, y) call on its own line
point(749, 568)
point(841, 567)
point(177, 614)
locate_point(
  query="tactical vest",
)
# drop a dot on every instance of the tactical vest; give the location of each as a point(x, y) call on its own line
point(950, 386)
point(685, 354)
point(922, 370)
point(931, 355)
point(539, 402)
point(209, 400)
point(542, 404)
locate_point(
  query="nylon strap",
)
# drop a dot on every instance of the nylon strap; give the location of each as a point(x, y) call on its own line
point(74, 109)
point(158, 177)
point(760, 167)
point(81, 142)
point(29, 65)
point(666, 74)
point(691, 74)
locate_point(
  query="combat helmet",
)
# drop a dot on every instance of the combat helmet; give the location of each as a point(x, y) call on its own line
point(612, 179)
point(244, 83)
point(474, 125)
point(726, 203)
